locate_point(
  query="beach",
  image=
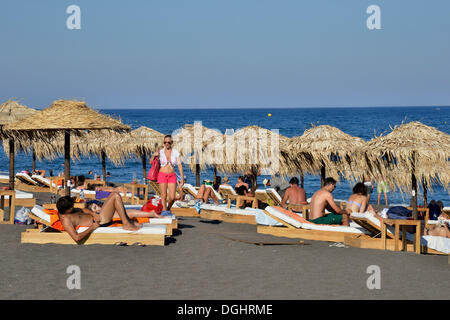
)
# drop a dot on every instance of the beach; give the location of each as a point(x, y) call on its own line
point(215, 260)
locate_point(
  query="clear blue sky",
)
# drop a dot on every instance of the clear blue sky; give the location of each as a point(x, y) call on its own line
point(226, 53)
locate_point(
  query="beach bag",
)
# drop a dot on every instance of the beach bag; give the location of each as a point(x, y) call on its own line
point(21, 216)
point(399, 212)
point(153, 204)
point(154, 170)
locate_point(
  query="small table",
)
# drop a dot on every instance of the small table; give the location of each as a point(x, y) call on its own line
point(403, 224)
point(136, 187)
point(12, 206)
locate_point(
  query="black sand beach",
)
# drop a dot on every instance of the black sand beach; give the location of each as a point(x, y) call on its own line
point(213, 260)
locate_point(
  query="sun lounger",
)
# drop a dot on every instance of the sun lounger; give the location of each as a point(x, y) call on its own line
point(24, 199)
point(170, 221)
point(149, 234)
point(274, 196)
point(184, 209)
point(429, 244)
point(4, 178)
point(232, 215)
point(230, 194)
point(295, 226)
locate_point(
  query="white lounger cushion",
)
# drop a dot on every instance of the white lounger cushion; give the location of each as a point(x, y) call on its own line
point(274, 192)
point(191, 188)
point(44, 181)
point(146, 229)
point(26, 177)
point(213, 207)
point(22, 195)
point(440, 244)
point(239, 211)
point(311, 226)
point(228, 188)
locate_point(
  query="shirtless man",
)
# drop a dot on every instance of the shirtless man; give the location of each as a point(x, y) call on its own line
point(323, 199)
point(73, 217)
point(295, 194)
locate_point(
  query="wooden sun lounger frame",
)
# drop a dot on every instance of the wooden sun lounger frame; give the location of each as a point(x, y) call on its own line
point(185, 212)
point(52, 206)
point(155, 186)
point(290, 231)
point(229, 195)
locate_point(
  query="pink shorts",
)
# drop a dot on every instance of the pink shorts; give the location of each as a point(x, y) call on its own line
point(167, 177)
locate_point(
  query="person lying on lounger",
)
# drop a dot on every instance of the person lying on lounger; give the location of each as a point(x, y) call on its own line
point(71, 217)
point(204, 193)
point(96, 207)
point(323, 199)
point(441, 229)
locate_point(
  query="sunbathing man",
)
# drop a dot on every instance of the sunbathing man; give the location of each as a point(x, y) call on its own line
point(73, 217)
point(323, 199)
point(294, 194)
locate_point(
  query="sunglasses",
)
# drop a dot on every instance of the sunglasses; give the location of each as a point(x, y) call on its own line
point(169, 142)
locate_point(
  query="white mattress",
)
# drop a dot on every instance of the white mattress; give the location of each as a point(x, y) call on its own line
point(146, 229)
point(44, 181)
point(229, 188)
point(310, 226)
point(3, 177)
point(22, 195)
point(274, 192)
point(26, 177)
point(191, 188)
point(239, 211)
point(369, 216)
point(213, 207)
point(440, 244)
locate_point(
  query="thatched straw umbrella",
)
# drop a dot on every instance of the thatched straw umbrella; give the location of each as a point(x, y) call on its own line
point(195, 141)
point(250, 149)
point(138, 143)
point(68, 116)
point(409, 153)
point(11, 111)
point(323, 148)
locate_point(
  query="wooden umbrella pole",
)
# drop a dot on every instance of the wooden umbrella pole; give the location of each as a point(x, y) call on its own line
point(104, 165)
point(144, 165)
point(414, 186)
point(215, 174)
point(197, 174)
point(34, 160)
point(322, 175)
point(302, 181)
point(66, 161)
point(425, 193)
point(11, 164)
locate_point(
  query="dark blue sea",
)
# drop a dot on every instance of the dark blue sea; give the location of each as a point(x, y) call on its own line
point(361, 122)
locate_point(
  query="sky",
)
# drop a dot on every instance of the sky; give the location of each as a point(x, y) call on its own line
point(226, 53)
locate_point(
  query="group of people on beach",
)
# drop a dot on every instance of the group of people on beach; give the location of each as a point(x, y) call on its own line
point(101, 214)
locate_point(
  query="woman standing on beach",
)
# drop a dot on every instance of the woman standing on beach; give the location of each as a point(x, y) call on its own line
point(167, 179)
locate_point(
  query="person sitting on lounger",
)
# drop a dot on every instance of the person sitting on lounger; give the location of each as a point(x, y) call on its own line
point(294, 194)
point(205, 192)
point(359, 200)
point(96, 207)
point(71, 217)
point(80, 183)
point(241, 187)
point(323, 199)
point(225, 182)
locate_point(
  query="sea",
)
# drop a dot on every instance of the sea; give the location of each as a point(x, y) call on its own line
point(361, 122)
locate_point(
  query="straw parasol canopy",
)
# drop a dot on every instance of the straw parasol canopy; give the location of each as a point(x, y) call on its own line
point(411, 152)
point(197, 144)
point(68, 116)
point(323, 148)
point(11, 111)
point(251, 149)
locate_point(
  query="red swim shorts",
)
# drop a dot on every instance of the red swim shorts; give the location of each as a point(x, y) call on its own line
point(167, 177)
